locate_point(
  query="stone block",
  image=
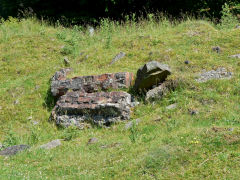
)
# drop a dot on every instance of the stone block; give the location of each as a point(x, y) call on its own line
point(151, 74)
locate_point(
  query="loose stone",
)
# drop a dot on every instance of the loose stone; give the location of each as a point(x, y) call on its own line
point(236, 56)
point(220, 73)
point(217, 49)
point(51, 144)
point(92, 140)
point(66, 61)
point(158, 92)
point(186, 62)
point(172, 106)
point(117, 57)
point(12, 150)
point(130, 124)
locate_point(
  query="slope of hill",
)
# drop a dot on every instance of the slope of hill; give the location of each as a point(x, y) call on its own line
point(166, 144)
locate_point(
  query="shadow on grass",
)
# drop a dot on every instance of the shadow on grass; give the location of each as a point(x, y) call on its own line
point(139, 96)
point(167, 87)
point(49, 100)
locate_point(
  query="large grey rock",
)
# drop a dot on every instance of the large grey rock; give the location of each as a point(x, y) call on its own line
point(102, 108)
point(12, 150)
point(51, 144)
point(158, 92)
point(220, 73)
point(60, 85)
point(151, 74)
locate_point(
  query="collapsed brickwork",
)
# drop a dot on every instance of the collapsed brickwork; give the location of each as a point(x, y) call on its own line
point(83, 100)
point(86, 99)
point(60, 84)
point(102, 108)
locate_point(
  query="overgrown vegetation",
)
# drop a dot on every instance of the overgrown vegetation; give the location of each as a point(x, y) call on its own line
point(166, 144)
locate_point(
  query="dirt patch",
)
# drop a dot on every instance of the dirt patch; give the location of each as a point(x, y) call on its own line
point(218, 129)
point(232, 138)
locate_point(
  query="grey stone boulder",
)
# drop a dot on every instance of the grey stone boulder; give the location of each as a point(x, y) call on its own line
point(102, 108)
point(12, 150)
point(151, 74)
point(51, 144)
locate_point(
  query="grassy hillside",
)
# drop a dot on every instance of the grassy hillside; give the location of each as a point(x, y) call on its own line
point(167, 144)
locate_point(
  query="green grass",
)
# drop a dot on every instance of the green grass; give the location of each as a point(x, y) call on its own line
point(167, 144)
